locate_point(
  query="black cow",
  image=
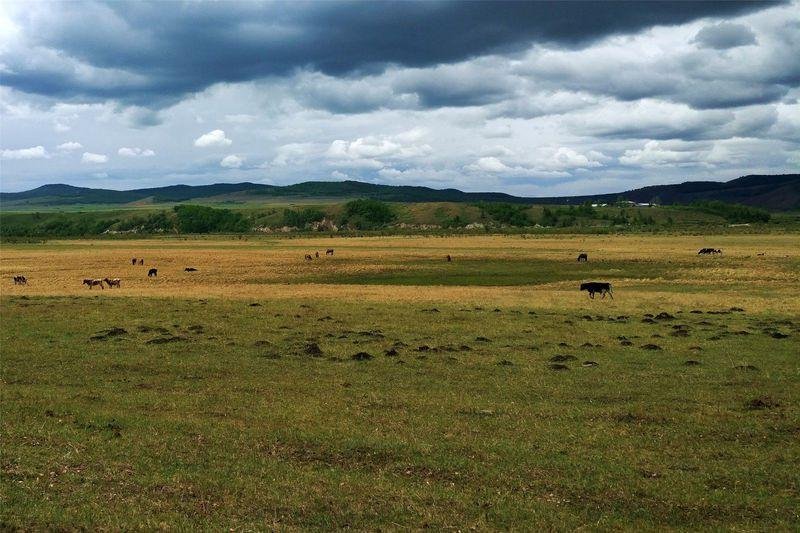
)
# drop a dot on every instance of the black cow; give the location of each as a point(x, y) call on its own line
point(316, 254)
point(141, 261)
point(449, 259)
point(20, 280)
point(593, 287)
point(133, 261)
point(190, 269)
point(583, 257)
point(152, 273)
point(707, 251)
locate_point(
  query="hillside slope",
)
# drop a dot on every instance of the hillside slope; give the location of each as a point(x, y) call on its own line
point(775, 192)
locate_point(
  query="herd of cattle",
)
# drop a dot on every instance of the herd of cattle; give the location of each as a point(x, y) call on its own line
point(592, 287)
point(309, 257)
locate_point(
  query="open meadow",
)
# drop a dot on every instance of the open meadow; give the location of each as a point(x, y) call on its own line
point(383, 387)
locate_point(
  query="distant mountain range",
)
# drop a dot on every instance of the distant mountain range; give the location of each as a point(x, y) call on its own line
point(774, 192)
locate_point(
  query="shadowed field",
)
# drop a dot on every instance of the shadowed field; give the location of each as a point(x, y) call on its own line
point(385, 388)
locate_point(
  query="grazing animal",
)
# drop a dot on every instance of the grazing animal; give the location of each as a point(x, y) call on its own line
point(449, 259)
point(190, 269)
point(141, 261)
point(762, 254)
point(92, 282)
point(593, 287)
point(309, 258)
point(316, 254)
point(152, 273)
point(583, 257)
point(133, 261)
point(116, 282)
point(707, 251)
point(329, 251)
point(20, 280)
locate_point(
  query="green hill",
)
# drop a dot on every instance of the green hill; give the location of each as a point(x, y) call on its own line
point(774, 192)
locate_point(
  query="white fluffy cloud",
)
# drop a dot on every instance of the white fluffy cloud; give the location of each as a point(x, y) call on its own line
point(135, 152)
point(372, 151)
point(34, 152)
point(69, 146)
point(89, 157)
point(213, 138)
point(231, 161)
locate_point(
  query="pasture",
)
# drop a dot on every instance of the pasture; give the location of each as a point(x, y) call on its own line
point(386, 388)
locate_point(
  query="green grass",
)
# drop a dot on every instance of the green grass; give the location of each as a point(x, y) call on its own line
point(236, 426)
point(493, 271)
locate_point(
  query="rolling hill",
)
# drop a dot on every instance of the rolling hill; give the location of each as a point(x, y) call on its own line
point(774, 192)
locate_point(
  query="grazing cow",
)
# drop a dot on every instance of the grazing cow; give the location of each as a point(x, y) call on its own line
point(116, 282)
point(707, 251)
point(593, 287)
point(92, 282)
point(309, 258)
point(329, 251)
point(133, 261)
point(316, 254)
point(583, 257)
point(190, 269)
point(762, 254)
point(152, 273)
point(20, 280)
point(141, 262)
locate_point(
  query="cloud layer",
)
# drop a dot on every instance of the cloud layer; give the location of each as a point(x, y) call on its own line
point(530, 98)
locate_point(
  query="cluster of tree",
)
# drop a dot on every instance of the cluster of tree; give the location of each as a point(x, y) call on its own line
point(367, 214)
point(302, 218)
point(508, 214)
point(734, 213)
point(203, 219)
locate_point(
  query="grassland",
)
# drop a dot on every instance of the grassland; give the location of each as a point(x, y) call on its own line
point(239, 396)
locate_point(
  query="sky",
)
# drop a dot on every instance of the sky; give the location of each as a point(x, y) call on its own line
point(535, 99)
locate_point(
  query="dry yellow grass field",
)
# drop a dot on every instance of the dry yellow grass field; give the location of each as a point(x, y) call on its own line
point(275, 268)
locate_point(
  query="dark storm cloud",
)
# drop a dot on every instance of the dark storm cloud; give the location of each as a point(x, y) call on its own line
point(154, 53)
point(725, 35)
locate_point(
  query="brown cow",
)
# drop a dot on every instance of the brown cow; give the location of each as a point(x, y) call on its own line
point(309, 258)
point(92, 282)
point(116, 282)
